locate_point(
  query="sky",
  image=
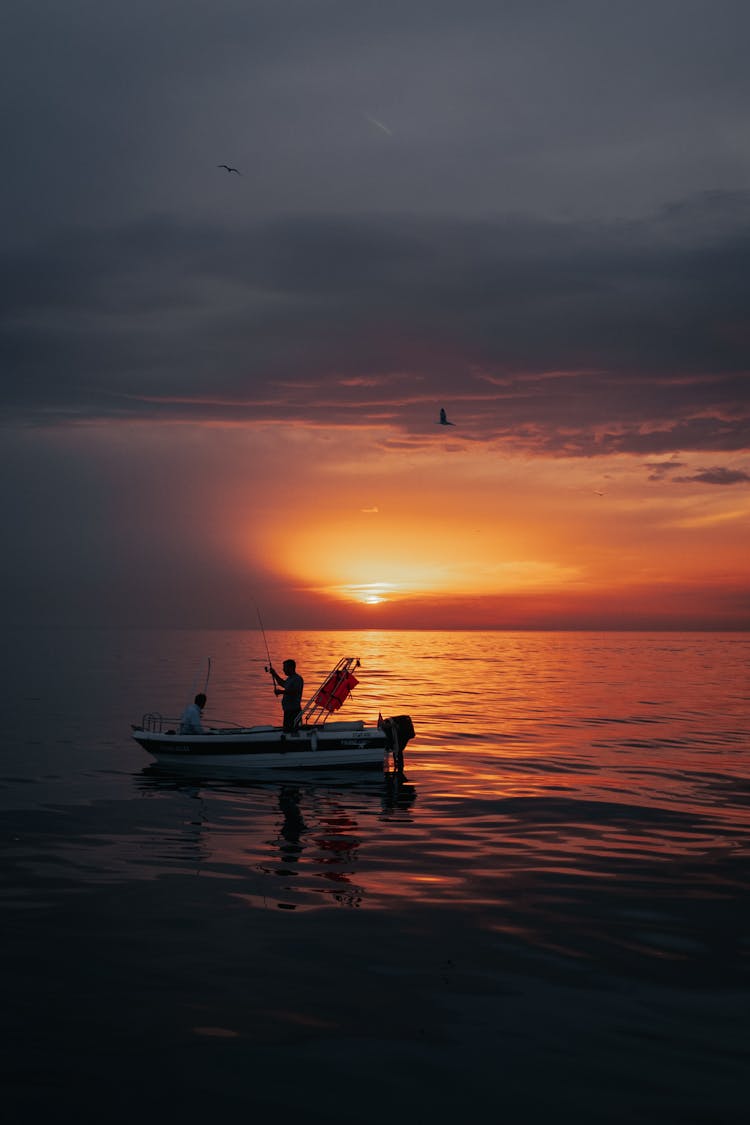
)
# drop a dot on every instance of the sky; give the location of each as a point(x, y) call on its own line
point(221, 389)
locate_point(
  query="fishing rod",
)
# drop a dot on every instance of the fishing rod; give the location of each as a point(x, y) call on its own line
point(205, 683)
point(265, 642)
point(268, 653)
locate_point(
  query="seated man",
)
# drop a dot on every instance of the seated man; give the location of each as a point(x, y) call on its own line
point(190, 720)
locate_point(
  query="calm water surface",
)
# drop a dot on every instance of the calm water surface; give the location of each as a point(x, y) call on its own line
point(552, 907)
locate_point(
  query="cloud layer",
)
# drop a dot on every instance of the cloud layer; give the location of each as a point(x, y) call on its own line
point(552, 231)
point(573, 338)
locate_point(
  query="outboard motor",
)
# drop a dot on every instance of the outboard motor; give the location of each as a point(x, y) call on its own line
point(400, 730)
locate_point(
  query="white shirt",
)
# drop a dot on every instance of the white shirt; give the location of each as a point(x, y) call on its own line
point(190, 720)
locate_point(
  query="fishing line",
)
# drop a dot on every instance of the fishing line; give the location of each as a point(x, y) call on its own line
point(195, 681)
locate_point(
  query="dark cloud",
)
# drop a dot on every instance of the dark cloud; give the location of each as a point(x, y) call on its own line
point(555, 236)
point(576, 109)
point(598, 337)
point(658, 470)
point(716, 475)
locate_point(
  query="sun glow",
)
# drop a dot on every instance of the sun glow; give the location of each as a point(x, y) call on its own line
point(413, 582)
point(473, 538)
point(369, 593)
point(395, 564)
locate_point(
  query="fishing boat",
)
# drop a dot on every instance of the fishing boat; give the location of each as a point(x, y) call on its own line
point(315, 743)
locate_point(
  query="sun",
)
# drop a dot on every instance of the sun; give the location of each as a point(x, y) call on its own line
point(368, 593)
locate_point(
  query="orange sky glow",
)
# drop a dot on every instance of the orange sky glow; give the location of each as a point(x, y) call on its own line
point(445, 531)
point(381, 526)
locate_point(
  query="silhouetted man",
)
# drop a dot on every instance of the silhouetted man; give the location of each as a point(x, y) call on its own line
point(291, 694)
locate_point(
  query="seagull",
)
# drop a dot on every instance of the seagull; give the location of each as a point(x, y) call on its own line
point(443, 420)
point(229, 169)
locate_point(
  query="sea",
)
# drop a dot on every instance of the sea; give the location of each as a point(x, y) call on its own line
point(546, 918)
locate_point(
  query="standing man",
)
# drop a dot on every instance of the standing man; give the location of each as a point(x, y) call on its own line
point(291, 695)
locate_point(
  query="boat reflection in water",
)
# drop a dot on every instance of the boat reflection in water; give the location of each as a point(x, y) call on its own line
point(288, 844)
point(334, 836)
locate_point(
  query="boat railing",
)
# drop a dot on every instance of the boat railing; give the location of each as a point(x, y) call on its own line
point(156, 723)
point(331, 694)
point(153, 722)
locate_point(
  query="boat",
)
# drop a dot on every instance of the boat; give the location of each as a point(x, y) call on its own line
point(316, 743)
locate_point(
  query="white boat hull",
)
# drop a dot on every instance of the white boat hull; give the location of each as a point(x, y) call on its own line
point(251, 763)
point(335, 746)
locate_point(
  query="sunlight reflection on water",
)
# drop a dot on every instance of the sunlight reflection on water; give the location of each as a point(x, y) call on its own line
point(594, 755)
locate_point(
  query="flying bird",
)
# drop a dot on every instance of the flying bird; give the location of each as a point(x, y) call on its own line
point(229, 169)
point(443, 420)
